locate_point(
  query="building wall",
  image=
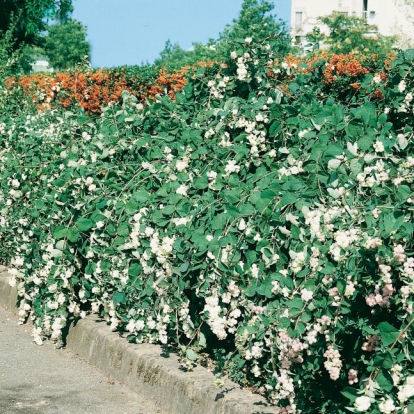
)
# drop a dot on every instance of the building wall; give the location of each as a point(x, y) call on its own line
point(390, 16)
point(41, 65)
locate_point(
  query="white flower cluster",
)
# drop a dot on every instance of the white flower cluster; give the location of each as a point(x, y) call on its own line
point(231, 168)
point(51, 327)
point(320, 327)
point(134, 326)
point(362, 403)
point(333, 363)
point(376, 174)
point(371, 344)
point(185, 319)
point(387, 406)
point(406, 390)
point(242, 65)
point(255, 132)
point(343, 241)
point(217, 87)
point(291, 350)
point(298, 260)
point(284, 390)
point(296, 167)
point(225, 140)
point(220, 318)
point(352, 377)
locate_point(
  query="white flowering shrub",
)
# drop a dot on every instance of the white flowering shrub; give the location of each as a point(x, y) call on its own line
point(267, 225)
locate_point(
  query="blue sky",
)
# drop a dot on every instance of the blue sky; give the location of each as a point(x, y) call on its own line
point(129, 32)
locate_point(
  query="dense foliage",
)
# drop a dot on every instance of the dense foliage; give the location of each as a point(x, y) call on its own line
point(36, 29)
point(65, 44)
point(351, 34)
point(264, 217)
point(31, 17)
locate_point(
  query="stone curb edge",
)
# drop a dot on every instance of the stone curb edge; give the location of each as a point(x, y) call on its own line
point(143, 369)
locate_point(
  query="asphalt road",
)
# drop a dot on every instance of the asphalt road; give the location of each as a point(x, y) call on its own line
point(42, 379)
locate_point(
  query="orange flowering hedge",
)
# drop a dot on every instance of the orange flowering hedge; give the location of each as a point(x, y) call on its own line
point(95, 89)
point(342, 76)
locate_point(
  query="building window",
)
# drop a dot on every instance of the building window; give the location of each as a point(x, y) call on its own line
point(298, 20)
point(365, 9)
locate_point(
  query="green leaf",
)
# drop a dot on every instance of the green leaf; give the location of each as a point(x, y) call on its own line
point(60, 232)
point(354, 129)
point(365, 143)
point(191, 355)
point(294, 87)
point(368, 115)
point(268, 194)
point(355, 166)
point(385, 380)
point(168, 210)
point(334, 164)
point(131, 207)
point(219, 222)
point(84, 224)
point(388, 333)
point(184, 267)
point(201, 183)
point(141, 196)
point(295, 303)
point(123, 229)
point(119, 297)
point(275, 128)
point(246, 209)
point(40, 205)
point(60, 245)
point(334, 150)
point(73, 235)
point(231, 196)
point(287, 198)
point(202, 340)
point(350, 393)
point(134, 269)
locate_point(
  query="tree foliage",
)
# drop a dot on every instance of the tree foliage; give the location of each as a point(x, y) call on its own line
point(173, 56)
point(254, 21)
point(32, 17)
point(349, 34)
point(66, 44)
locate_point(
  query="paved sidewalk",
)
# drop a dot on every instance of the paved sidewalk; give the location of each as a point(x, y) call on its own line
point(41, 379)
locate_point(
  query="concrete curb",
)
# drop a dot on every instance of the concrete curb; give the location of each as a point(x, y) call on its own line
point(143, 369)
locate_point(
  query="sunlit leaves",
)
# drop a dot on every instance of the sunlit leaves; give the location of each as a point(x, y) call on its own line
point(270, 230)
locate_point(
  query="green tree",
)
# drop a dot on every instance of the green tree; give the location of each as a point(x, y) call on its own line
point(31, 17)
point(173, 56)
point(66, 44)
point(255, 20)
point(8, 56)
point(353, 34)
